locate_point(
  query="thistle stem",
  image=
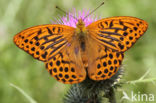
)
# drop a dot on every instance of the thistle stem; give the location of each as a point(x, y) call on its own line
point(111, 95)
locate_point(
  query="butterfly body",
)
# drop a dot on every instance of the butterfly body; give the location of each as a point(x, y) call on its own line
point(70, 54)
point(81, 37)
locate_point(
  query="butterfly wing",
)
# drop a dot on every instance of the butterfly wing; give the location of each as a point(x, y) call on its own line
point(67, 66)
point(103, 62)
point(110, 38)
point(40, 41)
point(52, 45)
point(117, 33)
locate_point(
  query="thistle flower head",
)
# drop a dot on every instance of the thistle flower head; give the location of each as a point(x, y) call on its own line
point(69, 19)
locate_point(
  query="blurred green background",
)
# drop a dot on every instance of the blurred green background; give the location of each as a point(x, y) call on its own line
point(30, 75)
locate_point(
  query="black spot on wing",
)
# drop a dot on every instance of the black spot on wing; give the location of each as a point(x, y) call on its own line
point(53, 29)
point(49, 31)
point(120, 22)
point(44, 55)
point(125, 28)
point(101, 25)
point(111, 24)
point(39, 32)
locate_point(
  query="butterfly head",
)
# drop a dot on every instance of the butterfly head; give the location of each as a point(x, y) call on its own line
point(80, 26)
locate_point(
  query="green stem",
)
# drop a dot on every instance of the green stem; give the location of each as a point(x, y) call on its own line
point(141, 81)
point(21, 91)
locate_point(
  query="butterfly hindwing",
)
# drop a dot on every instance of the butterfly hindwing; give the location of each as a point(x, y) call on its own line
point(41, 41)
point(103, 62)
point(117, 33)
point(67, 66)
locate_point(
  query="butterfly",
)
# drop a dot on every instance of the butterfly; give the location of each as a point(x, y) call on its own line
point(71, 54)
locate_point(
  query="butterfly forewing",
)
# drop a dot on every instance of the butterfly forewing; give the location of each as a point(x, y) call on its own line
point(117, 33)
point(41, 41)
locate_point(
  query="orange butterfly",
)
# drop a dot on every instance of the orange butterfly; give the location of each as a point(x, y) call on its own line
point(70, 54)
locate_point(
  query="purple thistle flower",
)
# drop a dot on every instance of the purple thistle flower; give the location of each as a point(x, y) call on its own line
point(71, 21)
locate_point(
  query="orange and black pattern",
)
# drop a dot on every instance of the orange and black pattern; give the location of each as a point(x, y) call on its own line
point(71, 53)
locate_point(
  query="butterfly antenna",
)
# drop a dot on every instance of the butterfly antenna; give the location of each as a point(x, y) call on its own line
point(66, 12)
point(93, 10)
